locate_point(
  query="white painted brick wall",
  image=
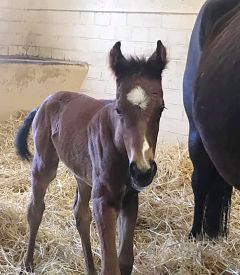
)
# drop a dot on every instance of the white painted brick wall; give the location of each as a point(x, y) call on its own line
point(86, 30)
point(102, 18)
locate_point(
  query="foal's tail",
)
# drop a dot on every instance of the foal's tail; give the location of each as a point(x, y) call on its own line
point(22, 136)
point(217, 209)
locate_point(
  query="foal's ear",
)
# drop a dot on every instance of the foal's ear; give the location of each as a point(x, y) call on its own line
point(116, 59)
point(158, 60)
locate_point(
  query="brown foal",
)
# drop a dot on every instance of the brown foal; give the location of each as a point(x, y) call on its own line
point(109, 146)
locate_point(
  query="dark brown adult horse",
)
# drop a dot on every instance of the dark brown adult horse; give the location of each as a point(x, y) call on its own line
point(109, 146)
point(213, 108)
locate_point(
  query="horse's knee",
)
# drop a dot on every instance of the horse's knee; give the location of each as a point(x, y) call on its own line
point(44, 169)
point(44, 173)
point(81, 209)
point(199, 183)
point(199, 157)
point(82, 216)
point(82, 220)
point(35, 211)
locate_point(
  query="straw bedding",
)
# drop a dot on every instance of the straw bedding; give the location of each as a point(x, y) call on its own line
point(164, 220)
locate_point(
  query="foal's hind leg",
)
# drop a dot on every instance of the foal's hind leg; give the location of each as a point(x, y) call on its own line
point(83, 218)
point(126, 225)
point(43, 172)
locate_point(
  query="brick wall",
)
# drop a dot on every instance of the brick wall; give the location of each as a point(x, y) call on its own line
point(86, 30)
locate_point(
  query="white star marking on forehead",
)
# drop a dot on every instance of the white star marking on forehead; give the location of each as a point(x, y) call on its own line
point(138, 96)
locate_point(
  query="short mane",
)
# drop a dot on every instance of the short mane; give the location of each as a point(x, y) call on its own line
point(140, 65)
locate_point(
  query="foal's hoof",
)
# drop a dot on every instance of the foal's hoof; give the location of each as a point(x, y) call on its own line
point(29, 267)
point(26, 268)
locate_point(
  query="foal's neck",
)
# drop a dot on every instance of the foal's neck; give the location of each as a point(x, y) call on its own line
point(116, 129)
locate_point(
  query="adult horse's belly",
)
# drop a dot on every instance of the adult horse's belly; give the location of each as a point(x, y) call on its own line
point(216, 101)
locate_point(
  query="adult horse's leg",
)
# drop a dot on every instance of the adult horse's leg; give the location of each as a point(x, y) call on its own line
point(200, 174)
point(83, 219)
point(105, 215)
point(126, 225)
point(44, 168)
point(212, 195)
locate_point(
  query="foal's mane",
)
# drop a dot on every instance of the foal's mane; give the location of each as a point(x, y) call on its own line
point(151, 67)
point(143, 66)
point(140, 65)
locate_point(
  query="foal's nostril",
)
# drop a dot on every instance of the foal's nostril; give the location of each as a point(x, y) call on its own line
point(133, 169)
point(153, 166)
point(142, 175)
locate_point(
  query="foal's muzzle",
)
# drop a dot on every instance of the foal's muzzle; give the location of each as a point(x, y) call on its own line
point(142, 178)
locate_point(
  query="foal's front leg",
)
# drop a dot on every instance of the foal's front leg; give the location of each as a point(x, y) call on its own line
point(83, 219)
point(105, 216)
point(126, 225)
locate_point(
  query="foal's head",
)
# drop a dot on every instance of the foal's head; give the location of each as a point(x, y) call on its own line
point(139, 105)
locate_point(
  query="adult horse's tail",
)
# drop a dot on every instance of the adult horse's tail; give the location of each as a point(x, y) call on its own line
point(217, 209)
point(22, 136)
